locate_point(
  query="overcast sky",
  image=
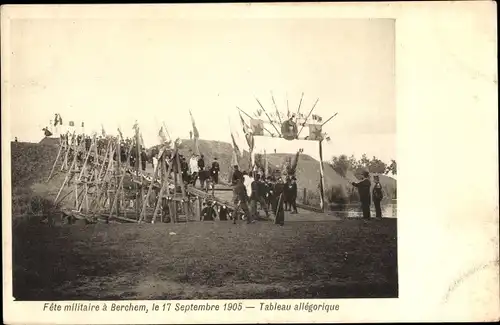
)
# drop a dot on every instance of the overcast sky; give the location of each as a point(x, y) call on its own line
point(113, 72)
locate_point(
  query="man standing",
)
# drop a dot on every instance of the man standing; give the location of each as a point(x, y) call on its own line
point(193, 166)
point(364, 194)
point(292, 192)
point(215, 171)
point(258, 194)
point(144, 159)
point(241, 201)
point(201, 163)
point(278, 203)
point(378, 195)
point(223, 213)
point(208, 213)
point(286, 194)
point(237, 176)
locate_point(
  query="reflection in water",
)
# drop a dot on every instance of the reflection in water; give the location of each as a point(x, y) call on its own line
point(354, 211)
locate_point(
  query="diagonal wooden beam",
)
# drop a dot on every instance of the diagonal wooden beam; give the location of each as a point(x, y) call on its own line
point(307, 117)
point(270, 121)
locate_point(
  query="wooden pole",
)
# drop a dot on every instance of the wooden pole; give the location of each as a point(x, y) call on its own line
point(55, 162)
point(304, 124)
point(329, 119)
point(270, 121)
point(140, 192)
point(276, 107)
point(115, 199)
point(300, 103)
point(67, 174)
point(162, 190)
point(118, 170)
point(265, 129)
point(155, 176)
point(321, 176)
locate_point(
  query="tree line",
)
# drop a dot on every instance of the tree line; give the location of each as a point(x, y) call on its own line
point(341, 164)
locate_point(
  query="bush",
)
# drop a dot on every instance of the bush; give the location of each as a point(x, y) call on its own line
point(336, 194)
point(41, 206)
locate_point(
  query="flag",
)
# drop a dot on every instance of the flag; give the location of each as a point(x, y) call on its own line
point(196, 134)
point(257, 126)
point(162, 135)
point(235, 146)
point(102, 131)
point(120, 133)
point(248, 133)
point(142, 142)
point(315, 132)
point(294, 163)
point(136, 127)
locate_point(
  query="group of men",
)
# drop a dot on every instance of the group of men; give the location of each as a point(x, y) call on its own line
point(196, 170)
point(272, 194)
point(364, 187)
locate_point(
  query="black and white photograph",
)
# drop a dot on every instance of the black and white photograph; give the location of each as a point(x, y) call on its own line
point(186, 159)
point(174, 156)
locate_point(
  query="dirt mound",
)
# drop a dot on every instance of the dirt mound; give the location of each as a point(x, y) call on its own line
point(50, 141)
point(31, 162)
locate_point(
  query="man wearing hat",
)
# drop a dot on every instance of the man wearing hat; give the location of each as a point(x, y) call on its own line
point(292, 192)
point(364, 193)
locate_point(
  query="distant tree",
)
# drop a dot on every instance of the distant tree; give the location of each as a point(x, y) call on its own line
point(364, 162)
point(392, 168)
point(341, 165)
point(377, 166)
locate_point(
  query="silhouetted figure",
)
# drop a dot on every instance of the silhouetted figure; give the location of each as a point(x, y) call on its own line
point(364, 194)
point(214, 171)
point(278, 203)
point(377, 195)
point(223, 213)
point(292, 194)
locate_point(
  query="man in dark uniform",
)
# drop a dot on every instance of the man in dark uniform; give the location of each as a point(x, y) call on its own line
point(278, 203)
point(144, 159)
point(258, 194)
point(223, 213)
point(241, 201)
point(208, 213)
point(286, 194)
point(378, 195)
point(292, 192)
point(201, 164)
point(214, 171)
point(269, 191)
point(364, 194)
point(184, 170)
point(237, 176)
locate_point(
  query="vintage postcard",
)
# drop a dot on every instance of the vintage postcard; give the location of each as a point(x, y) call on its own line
point(250, 163)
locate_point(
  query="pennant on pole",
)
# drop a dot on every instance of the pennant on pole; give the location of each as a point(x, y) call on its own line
point(102, 131)
point(120, 133)
point(162, 136)
point(235, 146)
point(196, 134)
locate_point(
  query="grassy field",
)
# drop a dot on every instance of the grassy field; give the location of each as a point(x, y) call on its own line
point(346, 258)
point(218, 260)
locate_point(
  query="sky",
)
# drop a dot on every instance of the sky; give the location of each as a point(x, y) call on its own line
point(116, 71)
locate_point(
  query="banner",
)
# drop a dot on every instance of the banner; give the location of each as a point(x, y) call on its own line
point(257, 126)
point(196, 134)
point(315, 132)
